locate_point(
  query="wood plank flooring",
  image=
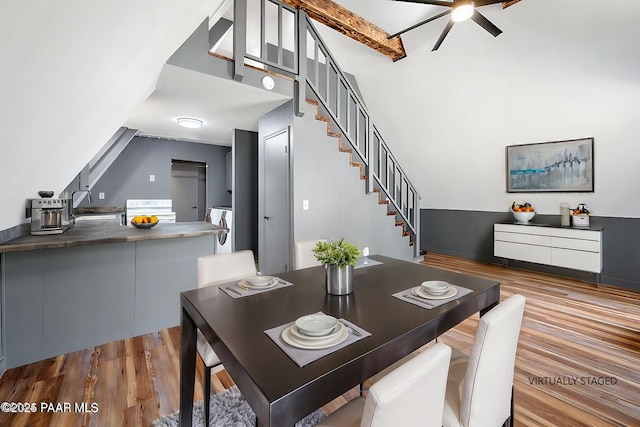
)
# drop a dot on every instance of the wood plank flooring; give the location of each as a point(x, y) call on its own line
point(577, 364)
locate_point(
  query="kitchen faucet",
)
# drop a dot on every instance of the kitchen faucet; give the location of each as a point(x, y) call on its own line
point(72, 206)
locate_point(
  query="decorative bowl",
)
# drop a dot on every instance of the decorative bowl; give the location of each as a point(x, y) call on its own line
point(259, 280)
point(144, 224)
point(435, 287)
point(316, 325)
point(523, 217)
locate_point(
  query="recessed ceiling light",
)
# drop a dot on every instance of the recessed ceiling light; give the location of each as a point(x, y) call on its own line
point(188, 122)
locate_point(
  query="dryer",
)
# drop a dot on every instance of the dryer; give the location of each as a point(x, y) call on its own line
point(223, 216)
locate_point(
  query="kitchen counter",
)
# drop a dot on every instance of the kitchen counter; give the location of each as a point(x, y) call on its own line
point(100, 232)
point(96, 283)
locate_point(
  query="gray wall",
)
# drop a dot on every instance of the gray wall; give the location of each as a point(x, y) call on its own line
point(338, 203)
point(128, 177)
point(469, 234)
point(245, 194)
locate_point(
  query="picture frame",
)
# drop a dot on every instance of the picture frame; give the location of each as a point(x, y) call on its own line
point(556, 166)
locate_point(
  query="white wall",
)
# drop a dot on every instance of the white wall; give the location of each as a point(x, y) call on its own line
point(72, 71)
point(561, 70)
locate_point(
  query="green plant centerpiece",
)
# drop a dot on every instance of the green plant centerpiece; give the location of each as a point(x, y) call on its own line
point(338, 252)
point(339, 257)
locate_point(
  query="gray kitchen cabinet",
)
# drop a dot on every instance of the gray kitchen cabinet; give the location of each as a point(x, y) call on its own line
point(61, 300)
point(23, 301)
point(163, 270)
point(88, 296)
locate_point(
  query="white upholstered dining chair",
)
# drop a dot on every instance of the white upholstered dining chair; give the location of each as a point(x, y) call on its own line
point(410, 395)
point(216, 270)
point(303, 254)
point(480, 386)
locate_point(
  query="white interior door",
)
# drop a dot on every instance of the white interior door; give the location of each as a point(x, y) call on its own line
point(276, 204)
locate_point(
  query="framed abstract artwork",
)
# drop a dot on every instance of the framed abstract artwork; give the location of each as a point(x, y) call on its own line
point(558, 166)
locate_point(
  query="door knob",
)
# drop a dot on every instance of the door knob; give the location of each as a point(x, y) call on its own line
point(267, 217)
point(194, 207)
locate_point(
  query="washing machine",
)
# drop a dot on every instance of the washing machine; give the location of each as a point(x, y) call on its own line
point(223, 216)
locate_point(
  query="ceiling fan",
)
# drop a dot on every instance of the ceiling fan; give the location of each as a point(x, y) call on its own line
point(460, 10)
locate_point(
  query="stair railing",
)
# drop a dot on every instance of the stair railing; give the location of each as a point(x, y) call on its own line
point(305, 56)
point(342, 102)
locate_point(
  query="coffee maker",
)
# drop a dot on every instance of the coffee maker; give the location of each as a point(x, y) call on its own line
point(49, 216)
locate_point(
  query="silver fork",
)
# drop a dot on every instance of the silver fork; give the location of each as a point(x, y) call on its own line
point(415, 298)
point(235, 291)
point(351, 330)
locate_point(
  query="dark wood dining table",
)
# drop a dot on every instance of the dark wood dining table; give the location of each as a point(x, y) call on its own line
point(277, 389)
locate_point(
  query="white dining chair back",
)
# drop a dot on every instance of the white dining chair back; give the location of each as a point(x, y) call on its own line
point(410, 395)
point(480, 386)
point(222, 268)
point(303, 254)
point(216, 270)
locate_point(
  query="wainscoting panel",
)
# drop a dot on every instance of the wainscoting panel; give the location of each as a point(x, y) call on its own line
point(469, 234)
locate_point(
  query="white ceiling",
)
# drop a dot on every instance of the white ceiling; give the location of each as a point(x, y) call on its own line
point(225, 105)
point(531, 24)
point(222, 105)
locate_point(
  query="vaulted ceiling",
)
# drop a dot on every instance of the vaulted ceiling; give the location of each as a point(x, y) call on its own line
point(180, 92)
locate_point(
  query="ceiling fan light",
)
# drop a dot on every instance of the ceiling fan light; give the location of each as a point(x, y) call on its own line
point(188, 122)
point(462, 12)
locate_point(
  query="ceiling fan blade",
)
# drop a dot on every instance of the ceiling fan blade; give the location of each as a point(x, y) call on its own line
point(485, 23)
point(443, 35)
point(440, 15)
point(487, 2)
point(433, 2)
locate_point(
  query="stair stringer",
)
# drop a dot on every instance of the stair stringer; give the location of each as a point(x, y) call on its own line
point(356, 161)
point(339, 205)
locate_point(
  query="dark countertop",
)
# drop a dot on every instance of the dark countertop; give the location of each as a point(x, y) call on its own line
point(100, 232)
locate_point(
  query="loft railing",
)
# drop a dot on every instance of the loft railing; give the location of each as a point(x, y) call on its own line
point(288, 42)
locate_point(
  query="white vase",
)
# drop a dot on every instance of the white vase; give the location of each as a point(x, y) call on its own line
point(339, 281)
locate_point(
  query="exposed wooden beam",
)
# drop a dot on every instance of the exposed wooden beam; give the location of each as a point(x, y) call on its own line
point(354, 26)
point(506, 4)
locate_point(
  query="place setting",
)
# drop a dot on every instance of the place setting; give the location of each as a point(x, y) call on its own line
point(253, 285)
point(432, 293)
point(313, 336)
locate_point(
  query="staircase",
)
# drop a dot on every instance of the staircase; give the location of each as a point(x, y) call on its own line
point(382, 199)
point(319, 81)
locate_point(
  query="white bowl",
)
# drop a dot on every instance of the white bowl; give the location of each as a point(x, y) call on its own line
point(316, 325)
point(435, 287)
point(259, 280)
point(523, 216)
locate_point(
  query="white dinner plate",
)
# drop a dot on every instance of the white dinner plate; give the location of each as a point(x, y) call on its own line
point(418, 291)
point(289, 338)
point(246, 285)
point(303, 338)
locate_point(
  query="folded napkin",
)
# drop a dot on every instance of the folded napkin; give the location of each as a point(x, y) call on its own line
point(407, 296)
point(302, 356)
point(234, 291)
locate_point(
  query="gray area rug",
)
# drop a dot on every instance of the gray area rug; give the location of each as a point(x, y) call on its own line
point(230, 409)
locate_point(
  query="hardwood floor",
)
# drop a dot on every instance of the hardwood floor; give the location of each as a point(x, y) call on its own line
point(577, 364)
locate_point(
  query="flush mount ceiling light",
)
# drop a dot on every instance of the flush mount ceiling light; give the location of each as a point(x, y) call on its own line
point(188, 122)
point(462, 11)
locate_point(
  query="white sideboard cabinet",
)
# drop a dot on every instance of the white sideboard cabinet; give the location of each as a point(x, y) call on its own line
point(557, 246)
